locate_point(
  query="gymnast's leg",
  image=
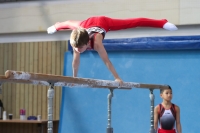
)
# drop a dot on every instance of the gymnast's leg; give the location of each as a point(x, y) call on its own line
point(118, 24)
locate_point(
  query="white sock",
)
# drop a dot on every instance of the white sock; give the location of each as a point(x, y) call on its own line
point(51, 30)
point(170, 26)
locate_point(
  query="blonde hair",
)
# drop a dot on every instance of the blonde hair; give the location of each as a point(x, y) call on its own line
point(79, 37)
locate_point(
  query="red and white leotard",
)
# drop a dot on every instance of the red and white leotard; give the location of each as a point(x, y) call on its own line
point(167, 119)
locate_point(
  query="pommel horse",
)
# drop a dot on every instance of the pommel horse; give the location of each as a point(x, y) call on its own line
point(57, 80)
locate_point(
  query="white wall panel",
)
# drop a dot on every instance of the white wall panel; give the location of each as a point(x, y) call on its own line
point(37, 16)
point(189, 11)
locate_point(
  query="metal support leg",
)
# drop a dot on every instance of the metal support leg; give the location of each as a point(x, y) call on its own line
point(109, 128)
point(151, 95)
point(50, 96)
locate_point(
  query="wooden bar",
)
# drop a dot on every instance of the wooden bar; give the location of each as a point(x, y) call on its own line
point(22, 86)
point(44, 88)
point(1, 66)
point(18, 86)
point(57, 71)
point(26, 91)
point(40, 70)
point(30, 98)
point(9, 86)
point(45, 79)
point(5, 66)
point(14, 93)
point(35, 69)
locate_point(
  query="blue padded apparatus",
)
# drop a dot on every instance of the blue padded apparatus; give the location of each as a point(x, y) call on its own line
point(151, 43)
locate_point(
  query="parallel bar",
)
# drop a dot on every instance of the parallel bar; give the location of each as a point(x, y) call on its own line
point(45, 79)
point(3, 79)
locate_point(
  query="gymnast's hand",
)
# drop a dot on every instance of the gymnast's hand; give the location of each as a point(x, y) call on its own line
point(51, 30)
point(119, 81)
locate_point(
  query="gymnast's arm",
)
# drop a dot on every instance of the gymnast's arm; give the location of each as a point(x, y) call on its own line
point(75, 62)
point(178, 123)
point(98, 46)
point(156, 118)
point(70, 24)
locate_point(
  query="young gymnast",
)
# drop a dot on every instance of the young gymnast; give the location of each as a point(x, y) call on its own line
point(89, 34)
point(167, 114)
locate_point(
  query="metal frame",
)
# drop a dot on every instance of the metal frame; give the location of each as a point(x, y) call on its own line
point(151, 96)
point(110, 95)
point(50, 95)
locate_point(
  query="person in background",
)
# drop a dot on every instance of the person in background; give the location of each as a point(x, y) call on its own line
point(167, 113)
